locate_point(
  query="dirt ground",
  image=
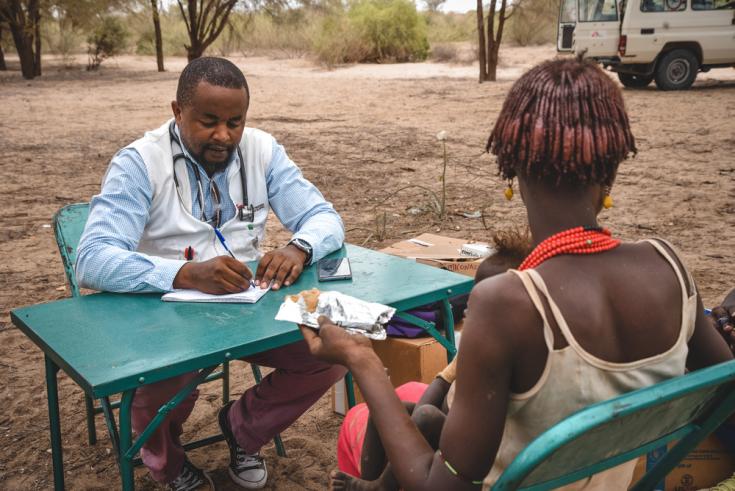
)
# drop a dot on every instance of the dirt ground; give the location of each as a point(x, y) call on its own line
point(365, 135)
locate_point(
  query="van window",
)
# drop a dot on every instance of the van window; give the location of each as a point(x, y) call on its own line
point(665, 5)
point(713, 4)
point(597, 10)
point(568, 11)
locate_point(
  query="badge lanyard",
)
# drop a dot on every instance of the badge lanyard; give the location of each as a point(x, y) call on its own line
point(245, 211)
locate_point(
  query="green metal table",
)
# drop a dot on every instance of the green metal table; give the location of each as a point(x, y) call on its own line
point(112, 343)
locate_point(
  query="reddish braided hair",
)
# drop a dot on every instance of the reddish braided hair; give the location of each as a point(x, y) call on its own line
point(563, 122)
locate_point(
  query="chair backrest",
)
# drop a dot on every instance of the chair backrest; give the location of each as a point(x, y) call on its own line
point(69, 224)
point(608, 433)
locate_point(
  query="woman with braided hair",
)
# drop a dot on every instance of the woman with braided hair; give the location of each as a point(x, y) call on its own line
point(585, 317)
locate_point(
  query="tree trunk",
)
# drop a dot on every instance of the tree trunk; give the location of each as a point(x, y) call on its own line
point(494, 39)
point(481, 42)
point(196, 50)
point(3, 66)
point(206, 25)
point(24, 26)
point(37, 31)
point(492, 66)
point(159, 40)
point(24, 45)
point(491, 63)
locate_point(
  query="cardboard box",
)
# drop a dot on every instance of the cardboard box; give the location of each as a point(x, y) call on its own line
point(436, 250)
point(707, 465)
point(405, 360)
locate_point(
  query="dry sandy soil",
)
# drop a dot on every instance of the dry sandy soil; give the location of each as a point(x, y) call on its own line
point(360, 133)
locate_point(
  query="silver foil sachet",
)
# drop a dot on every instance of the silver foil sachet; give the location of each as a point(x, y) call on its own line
point(353, 314)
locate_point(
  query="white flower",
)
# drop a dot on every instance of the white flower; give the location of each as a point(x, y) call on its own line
point(441, 136)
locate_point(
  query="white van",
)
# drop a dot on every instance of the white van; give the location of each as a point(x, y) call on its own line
point(668, 41)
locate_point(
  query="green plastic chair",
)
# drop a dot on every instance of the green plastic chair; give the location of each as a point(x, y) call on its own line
point(608, 433)
point(69, 224)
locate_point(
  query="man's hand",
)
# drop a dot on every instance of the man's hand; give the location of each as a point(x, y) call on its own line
point(335, 345)
point(218, 276)
point(283, 266)
point(724, 319)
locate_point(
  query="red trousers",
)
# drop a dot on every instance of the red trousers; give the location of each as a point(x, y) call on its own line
point(268, 408)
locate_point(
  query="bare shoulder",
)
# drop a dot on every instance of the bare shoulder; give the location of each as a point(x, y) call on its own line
point(500, 308)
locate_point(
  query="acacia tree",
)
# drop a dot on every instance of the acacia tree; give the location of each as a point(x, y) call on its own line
point(157, 30)
point(490, 44)
point(205, 20)
point(24, 21)
point(433, 5)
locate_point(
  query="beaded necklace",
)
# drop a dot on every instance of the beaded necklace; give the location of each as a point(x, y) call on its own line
point(578, 240)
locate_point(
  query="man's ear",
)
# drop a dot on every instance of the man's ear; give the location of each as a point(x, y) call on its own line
point(176, 110)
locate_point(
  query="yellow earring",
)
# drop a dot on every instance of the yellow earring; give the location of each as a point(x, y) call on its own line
point(607, 202)
point(509, 190)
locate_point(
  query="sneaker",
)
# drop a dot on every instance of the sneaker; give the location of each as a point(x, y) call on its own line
point(191, 478)
point(247, 470)
point(726, 485)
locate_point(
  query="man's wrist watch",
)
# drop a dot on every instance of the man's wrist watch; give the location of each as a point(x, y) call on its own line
point(304, 246)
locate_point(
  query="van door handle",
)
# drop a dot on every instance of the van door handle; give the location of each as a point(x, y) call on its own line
point(648, 30)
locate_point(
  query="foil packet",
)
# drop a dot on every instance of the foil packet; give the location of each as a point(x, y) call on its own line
point(353, 314)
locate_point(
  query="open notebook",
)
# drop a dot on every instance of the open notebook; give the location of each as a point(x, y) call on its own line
point(251, 295)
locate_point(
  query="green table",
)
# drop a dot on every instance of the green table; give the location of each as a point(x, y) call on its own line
point(112, 343)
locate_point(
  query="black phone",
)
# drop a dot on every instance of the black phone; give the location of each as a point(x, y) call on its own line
point(334, 269)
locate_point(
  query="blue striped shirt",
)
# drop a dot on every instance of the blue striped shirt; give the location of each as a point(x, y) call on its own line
point(107, 258)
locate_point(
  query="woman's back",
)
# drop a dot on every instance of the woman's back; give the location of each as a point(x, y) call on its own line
point(604, 347)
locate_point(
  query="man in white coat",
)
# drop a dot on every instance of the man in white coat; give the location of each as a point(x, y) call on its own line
point(153, 228)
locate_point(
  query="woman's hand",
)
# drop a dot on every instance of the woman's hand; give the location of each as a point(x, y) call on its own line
point(333, 344)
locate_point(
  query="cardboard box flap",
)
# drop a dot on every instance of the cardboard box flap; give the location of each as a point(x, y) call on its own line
point(430, 246)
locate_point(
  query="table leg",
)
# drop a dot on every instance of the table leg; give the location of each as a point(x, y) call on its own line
point(111, 425)
point(350, 388)
point(91, 430)
point(429, 327)
point(449, 327)
point(52, 392)
point(225, 382)
point(126, 441)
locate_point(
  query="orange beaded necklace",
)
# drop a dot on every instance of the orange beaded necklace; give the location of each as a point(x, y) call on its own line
point(578, 240)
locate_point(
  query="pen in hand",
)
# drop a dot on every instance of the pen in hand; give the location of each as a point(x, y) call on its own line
point(224, 244)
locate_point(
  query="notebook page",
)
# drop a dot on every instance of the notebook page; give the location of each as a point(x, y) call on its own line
point(251, 295)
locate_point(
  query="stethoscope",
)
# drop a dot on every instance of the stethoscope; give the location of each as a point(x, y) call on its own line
point(245, 212)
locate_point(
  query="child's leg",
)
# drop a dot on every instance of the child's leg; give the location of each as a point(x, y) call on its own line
point(428, 419)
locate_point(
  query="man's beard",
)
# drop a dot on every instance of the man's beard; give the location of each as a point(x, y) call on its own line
point(212, 167)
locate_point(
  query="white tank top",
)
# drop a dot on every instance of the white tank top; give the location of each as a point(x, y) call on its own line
point(554, 397)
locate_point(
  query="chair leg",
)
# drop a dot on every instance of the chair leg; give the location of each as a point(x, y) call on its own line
point(111, 426)
point(91, 430)
point(280, 449)
point(225, 382)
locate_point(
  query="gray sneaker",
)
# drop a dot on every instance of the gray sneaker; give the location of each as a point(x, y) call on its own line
point(246, 470)
point(191, 478)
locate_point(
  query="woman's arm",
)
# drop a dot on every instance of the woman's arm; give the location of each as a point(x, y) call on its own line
point(706, 346)
point(475, 423)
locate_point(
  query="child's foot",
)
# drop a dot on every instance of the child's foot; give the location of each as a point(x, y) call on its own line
point(339, 481)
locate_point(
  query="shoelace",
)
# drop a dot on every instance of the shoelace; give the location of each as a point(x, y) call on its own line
point(726, 485)
point(247, 461)
point(187, 477)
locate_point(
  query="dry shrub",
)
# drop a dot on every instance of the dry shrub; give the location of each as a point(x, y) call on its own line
point(464, 53)
point(444, 52)
point(533, 22)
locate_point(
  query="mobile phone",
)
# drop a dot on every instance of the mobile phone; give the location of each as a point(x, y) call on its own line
point(334, 269)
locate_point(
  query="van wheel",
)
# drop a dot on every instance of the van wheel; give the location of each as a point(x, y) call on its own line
point(634, 81)
point(676, 70)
